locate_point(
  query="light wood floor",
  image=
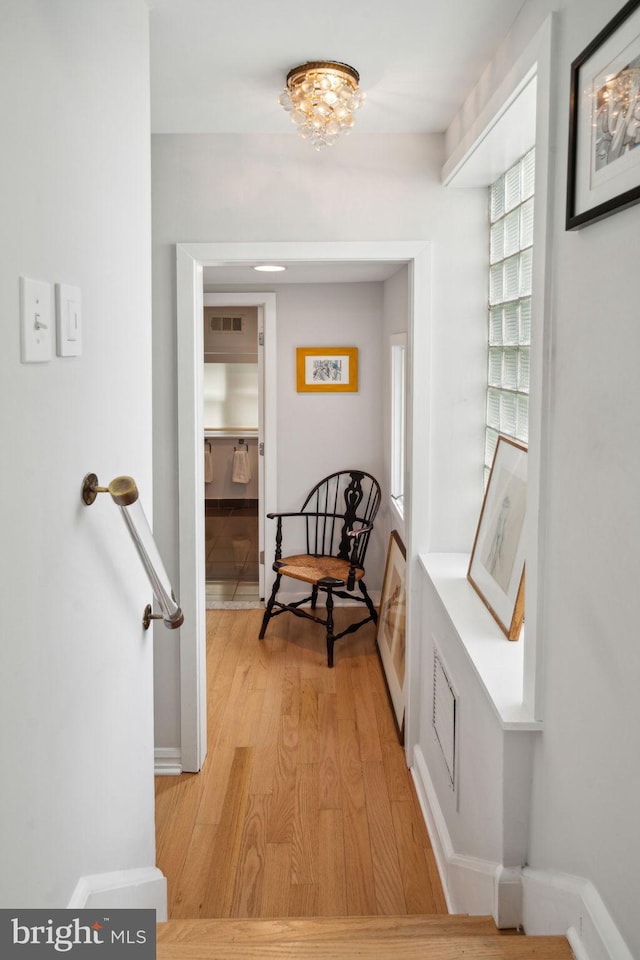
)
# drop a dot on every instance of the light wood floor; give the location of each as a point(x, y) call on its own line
point(304, 807)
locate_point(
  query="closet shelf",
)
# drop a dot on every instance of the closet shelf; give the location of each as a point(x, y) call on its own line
point(229, 434)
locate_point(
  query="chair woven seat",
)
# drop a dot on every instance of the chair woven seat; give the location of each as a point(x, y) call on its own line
point(337, 521)
point(312, 569)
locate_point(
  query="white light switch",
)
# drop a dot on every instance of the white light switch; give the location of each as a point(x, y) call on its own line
point(36, 321)
point(68, 320)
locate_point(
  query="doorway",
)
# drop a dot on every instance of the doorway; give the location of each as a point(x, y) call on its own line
point(190, 260)
point(233, 389)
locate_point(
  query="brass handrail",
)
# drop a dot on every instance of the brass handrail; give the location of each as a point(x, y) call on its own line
point(124, 493)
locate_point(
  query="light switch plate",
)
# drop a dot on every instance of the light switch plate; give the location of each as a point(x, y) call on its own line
point(68, 320)
point(36, 321)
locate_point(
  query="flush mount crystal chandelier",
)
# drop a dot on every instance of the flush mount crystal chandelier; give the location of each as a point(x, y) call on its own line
point(321, 97)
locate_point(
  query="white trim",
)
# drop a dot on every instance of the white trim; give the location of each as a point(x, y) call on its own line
point(398, 407)
point(168, 762)
point(509, 133)
point(144, 888)
point(541, 367)
point(267, 414)
point(557, 903)
point(465, 166)
point(417, 497)
point(190, 355)
point(544, 903)
point(576, 945)
point(397, 519)
point(434, 820)
point(465, 162)
point(471, 885)
point(191, 257)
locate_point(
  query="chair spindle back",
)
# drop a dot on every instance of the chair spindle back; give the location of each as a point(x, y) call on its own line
point(340, 502)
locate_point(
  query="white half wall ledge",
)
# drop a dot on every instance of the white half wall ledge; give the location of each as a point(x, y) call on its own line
point(143, 888)
point(498, 666)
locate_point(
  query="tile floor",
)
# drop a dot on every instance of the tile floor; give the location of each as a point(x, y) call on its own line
point(231, 536)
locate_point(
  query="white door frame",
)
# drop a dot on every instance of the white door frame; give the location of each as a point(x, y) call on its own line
point(267, 463)
point(190, 260)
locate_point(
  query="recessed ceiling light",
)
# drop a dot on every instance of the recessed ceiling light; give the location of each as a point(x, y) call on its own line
point(269, 268)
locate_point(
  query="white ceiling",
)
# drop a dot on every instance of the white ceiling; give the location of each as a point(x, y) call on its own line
point(361, 271)
point(219, 67)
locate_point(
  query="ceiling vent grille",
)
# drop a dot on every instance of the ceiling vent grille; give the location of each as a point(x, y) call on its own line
point(226, 324)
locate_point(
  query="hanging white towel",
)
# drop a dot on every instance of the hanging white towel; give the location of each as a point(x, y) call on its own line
point(208, 462)
point(241, 470)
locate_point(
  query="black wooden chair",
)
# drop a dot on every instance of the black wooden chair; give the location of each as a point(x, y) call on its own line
point(338, 515)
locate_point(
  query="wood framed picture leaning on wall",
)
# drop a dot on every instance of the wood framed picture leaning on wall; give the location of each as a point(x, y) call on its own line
point(496, 567)
point(391, 633)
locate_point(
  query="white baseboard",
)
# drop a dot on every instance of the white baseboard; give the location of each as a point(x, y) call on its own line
point(471, 885)
point(434, 821)
point(558, 903)
point(542, 902)
point(168, 762)
point(143, 888)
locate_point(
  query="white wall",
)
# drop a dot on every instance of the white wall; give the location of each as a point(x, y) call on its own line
point(586, 775)
point(76, 706)
point(584, 785)
point(395, 320)
point(230, 396)
point(239, 188)
point(586, 778)
point(319, 433)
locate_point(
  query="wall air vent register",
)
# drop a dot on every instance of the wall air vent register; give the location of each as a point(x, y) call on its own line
point(225, 324)
point(445, 704)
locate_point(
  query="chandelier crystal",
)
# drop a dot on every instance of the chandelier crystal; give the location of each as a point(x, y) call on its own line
point(322, 97)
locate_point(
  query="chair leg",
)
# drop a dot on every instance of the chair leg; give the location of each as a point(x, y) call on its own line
point(372, 610)
point(314, 596)
point(267, 613)
point(330, 640)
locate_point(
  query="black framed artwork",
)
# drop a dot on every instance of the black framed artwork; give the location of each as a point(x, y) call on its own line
point(604, 122)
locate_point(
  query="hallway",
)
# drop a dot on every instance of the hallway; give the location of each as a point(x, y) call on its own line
point(304, 806)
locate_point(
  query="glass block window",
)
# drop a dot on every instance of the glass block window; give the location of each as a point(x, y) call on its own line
point(510, 259)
